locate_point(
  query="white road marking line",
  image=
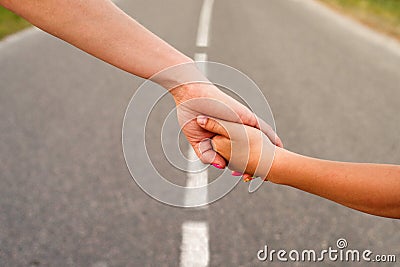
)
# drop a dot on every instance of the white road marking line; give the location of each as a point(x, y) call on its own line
point(196, 179)
point(195, 251)
point(204, 23)
point(346, 22)
point(200, 57)
point(195, 248)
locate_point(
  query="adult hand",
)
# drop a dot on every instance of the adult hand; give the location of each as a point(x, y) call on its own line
point(197, 99)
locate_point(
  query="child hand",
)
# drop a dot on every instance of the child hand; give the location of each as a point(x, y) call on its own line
point(246, 148)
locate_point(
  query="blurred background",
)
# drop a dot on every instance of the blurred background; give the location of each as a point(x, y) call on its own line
point(67, 198)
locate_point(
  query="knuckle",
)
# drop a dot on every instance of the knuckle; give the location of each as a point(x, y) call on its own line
point(251, 119)
point(218, 143)
point(209, 123)
point(214, 126)
point(215, 142)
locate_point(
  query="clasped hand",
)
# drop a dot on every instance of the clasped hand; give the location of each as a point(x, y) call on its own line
point(203, 99)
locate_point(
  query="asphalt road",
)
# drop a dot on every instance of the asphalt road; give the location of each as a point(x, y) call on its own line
point(66, 196)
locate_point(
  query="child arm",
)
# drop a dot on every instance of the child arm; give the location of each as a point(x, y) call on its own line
point(370, 188)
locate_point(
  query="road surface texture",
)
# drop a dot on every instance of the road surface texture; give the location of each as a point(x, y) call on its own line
point(67, 198)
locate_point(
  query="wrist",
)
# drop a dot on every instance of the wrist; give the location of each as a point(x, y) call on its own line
point(188, 91)
point(180, 78)
point(181, 92)
point(277, 172)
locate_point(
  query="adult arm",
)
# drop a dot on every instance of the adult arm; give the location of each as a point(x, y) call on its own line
point(103, 30)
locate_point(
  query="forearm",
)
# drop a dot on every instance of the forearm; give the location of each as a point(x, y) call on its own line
point(100, 28)
point(371, 188)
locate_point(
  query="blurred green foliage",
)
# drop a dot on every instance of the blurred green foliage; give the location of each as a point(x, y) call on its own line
point(10, 22)
point(383, 15)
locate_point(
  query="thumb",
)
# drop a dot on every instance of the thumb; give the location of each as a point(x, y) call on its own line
point(211, 125)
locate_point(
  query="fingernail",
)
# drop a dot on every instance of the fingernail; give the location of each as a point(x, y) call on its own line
point(248, 179)
point(202, 120)
point(217, 166)
point(234, 173)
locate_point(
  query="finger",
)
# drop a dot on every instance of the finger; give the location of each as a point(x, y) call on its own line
point(224, 128)
point(222, 146)
point(269, 132)
point(207, 155)
point(247, 177)
point(212, 125)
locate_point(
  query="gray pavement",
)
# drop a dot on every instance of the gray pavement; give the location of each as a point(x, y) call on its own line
point(66, 196)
